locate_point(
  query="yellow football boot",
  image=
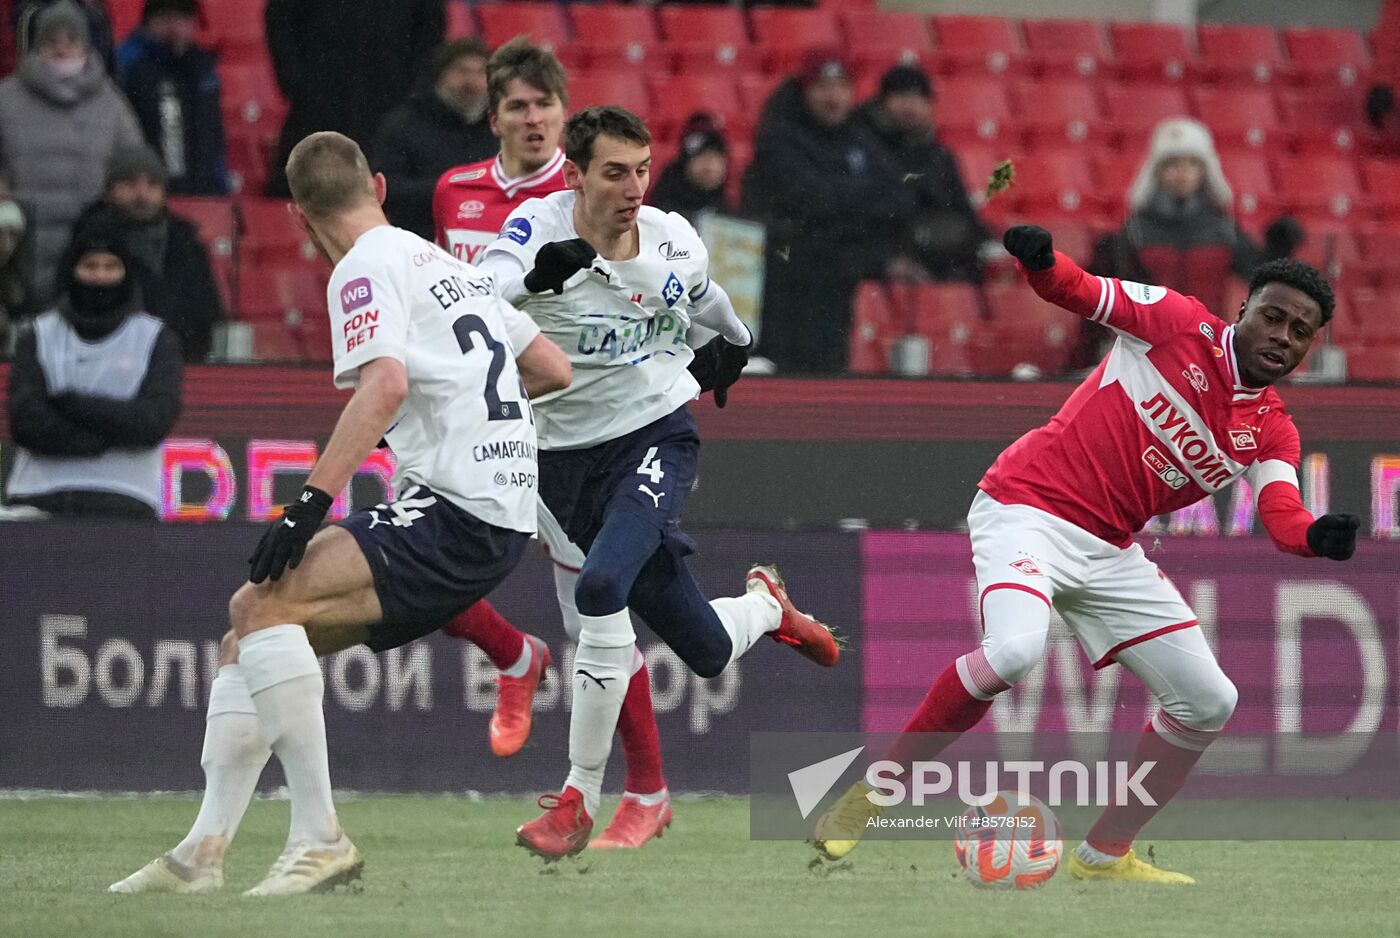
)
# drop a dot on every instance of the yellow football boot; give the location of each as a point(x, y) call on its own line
point(840, 829)
point(1128, 869)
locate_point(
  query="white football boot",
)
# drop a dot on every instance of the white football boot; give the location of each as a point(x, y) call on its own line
point(306, 867)
point(165, 875)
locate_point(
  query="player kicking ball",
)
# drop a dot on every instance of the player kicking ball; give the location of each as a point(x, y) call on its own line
point(1182, 407)
point(617, 285)
point(429, 351)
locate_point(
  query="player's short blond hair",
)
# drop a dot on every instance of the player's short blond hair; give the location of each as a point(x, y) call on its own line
point(328, 173)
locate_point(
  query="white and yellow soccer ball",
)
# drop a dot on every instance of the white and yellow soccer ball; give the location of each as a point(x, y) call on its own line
point(1012, 843)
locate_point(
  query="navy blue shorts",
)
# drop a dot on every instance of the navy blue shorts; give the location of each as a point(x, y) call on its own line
point(430, 560)
point(647, 472)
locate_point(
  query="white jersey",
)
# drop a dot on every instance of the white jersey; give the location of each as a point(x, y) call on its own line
point(623, 324)
point(465, 430)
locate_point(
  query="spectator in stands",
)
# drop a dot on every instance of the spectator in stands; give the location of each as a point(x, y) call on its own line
point(945, 235)
point(343, 64)
point(167, 261)
point(833, 206)
point(94, 388)
point(1181, 231)
point(443, 126)
point(695, 181)
point(14, 283)
point(174, 89)
point(1381, 108)
point(23, 22)
point(61, 119)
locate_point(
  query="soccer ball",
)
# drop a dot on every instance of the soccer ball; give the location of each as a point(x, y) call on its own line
point(1007, 844)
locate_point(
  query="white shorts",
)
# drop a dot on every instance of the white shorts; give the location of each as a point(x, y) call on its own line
point(1110, 597)
point(557, 545)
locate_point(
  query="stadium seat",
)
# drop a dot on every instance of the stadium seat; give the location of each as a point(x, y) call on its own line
point(676, 98)
point(1252, 182)
point(125, 15)
point(949, 315)
point(872, 330)
point(293, 293)
point(1150, 52)
point(461, 24)
point(1321, 185)
point(1371, 362)
point(877, 40)
point(1323, 119)
point(270, 236)
point(610, 34)
point(785, 34)
point(705, 38)
point(1134, 111)
point(234, 30)
point(621, 86)
point(1380, 252)
point(977, 44)
point(1382, 178)
point(1326, 55)
point(218, 232)
point(1116, 171)
point(1333, 248)
point(1027, 330)
point(1057, 182)
point(755, 88)
point(543, 22)
point(973, 108)
point(250, 99)
point(250, 155)
point(1065, 47)
point(1243, 116)
point(1239, 53)
point(1059, 111)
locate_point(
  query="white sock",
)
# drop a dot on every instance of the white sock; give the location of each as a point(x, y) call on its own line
point(1094, 856)
point(601, 674)
point(651, 800)
point(235, 752)
point(522, 664)
point(747, 618)
point(287, 689)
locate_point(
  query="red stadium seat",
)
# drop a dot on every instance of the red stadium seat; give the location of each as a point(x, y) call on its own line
point(621, 86)
point(287, 307)
point(784, 35)
point(250, 99)
point(1150, 51)
point(1382, 178)
point(270, 237)
point(977, 44)
point(973, 108)
point(1133, 111)
point(1329, 55)
point(1065, 47)
point(1333, 248)
point(1369, 362)
point(1240, 116)
point(676, 98)
point(707, 38)
point(250, 155)
point(125, 15)
point(872, 330)
point(877, 40)
point(1381, 259)
point(1252, 181)
point(1323, 119)
point(1231, 53)
point(949, 315)
point(461, 24)
point(218, 232)
point(234, 30)
point(542, 22)
point(1373, 316)
point(755, 88)
point(1116, 171)
point(608, 34)
point(1321, 185)
point(1024, 330)
point(1057, 182)
point(1055, 112)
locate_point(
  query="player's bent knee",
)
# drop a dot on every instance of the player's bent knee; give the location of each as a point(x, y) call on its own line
point(599, 592)
point(1211, 707)
point(709, 662)
point(1012, 657)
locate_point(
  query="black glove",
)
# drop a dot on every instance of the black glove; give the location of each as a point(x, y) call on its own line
point(556, 262)
point(284, 544)
point(1333, 536)
point(1282, 237)
point(1031, 245)
point(717, 365)
point(1380, 101)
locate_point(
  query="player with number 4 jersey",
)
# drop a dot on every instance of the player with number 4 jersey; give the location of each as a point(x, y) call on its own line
point(441, 368)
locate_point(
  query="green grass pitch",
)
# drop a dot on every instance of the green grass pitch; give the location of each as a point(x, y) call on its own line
point(448, 866)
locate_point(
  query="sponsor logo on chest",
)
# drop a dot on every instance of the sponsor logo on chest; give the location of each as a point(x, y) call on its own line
point(1175, 429)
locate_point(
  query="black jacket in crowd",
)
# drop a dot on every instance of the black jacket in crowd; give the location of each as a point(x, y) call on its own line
point(675, 193)
point(182, 292)
point(419, 141)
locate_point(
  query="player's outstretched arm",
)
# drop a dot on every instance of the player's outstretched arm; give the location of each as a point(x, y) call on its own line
point(1294, 530)
point(543, 367)
point(380, 391)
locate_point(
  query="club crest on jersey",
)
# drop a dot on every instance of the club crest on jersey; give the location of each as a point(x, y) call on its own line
point(1243, 439)
point(672, 291)
point(518, 231)
point(472, 208)
point(1197, 377)
point(1026, 566)
point(355, 294)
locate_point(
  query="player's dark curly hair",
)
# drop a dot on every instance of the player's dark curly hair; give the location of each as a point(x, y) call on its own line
point(1300, 276)
point(603, 120)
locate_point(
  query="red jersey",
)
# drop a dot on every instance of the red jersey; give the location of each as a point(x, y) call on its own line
point(472, 202)
point(1163, 422)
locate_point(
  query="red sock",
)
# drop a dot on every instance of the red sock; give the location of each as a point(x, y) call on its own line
point(641, 741)
point(949, 709)
point(1115, 829)
point(488, 630)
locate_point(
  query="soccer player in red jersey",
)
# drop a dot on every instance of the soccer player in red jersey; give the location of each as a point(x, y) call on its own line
point(1182, 407)
point(527, 96)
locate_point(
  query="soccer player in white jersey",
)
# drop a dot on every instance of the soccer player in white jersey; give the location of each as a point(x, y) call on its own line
point(617, 285)
point(1182, 407)
point(440, 368)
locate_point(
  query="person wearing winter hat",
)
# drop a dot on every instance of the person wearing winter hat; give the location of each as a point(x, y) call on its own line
point(61, 119)
point(94, 388)
point(174, 89)
point(15, 294)
point(695, 181)
point(1181, 230)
